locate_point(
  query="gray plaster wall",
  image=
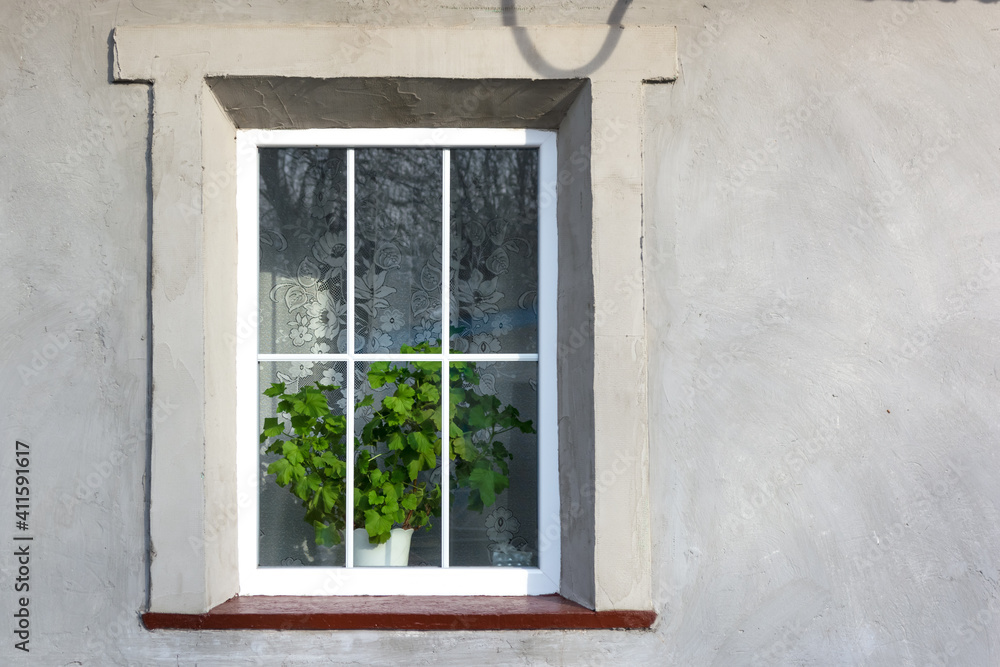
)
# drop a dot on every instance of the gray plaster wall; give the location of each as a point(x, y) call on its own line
point(822, 273)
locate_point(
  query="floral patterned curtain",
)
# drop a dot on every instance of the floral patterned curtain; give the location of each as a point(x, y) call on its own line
point(397, 266)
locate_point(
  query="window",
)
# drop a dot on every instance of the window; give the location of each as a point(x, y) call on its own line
point(212, 81)
point(343, 235)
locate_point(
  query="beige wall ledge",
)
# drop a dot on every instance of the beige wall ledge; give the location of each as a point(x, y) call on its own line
point(146, 53)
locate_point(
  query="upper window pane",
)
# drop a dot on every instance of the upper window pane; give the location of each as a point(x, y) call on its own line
point(303, 236)
point(397, 283)
point(494, 250)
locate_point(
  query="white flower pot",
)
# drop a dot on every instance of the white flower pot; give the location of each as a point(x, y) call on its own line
point(395, 552)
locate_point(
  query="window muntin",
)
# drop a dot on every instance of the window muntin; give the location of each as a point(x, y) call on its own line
point(408, 187)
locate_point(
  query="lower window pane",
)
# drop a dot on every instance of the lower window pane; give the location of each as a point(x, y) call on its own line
point(398, 456)
point(286, 538)
point(494, 499)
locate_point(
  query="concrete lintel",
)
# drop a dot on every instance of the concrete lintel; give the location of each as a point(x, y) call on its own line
point(306, 102)
point(145, 53)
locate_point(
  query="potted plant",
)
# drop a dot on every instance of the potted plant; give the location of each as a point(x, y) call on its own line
point(397, 464)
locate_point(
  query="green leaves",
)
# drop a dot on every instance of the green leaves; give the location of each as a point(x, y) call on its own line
point(398, 405)
point(397, 461)
point(282, 469)
point(290, 450)
point(271, 428)
point(479, 423)
point(276, 389)
point(400, 446)
point(312, 404)
point(487, 482)
point(378, 527)
point(311, 456)
point(413, 469)
point(329, 497)
point(425, 448)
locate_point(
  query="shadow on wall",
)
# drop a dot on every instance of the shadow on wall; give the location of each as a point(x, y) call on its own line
point(545, 68)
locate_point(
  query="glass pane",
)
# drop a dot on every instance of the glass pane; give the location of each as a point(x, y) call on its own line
point(494, 248)
point(494, 500)
point(287, 536)
point(398, 248)
point(398, 445)
point(303, 236)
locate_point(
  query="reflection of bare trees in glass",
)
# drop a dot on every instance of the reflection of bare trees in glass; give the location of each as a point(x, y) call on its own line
point(303, 252)
point(397, 245)
point(300, 187)
point(494, 287)
point(494, 201)
point(397, 287)
point(397, 260)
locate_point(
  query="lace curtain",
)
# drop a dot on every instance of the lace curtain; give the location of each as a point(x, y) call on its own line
point(397, 268)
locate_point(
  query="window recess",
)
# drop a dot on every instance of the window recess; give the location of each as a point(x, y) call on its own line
point(209, 82)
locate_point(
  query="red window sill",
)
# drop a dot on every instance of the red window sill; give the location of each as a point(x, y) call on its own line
point(542, 612)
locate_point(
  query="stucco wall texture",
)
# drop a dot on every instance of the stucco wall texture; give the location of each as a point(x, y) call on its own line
point(822, 278)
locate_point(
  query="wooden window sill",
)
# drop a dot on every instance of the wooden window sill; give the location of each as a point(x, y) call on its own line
point(542, 612)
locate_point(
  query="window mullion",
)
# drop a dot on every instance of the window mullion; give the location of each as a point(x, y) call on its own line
point(349, 371)
point(445, 366)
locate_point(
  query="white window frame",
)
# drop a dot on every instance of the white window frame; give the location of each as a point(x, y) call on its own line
point(349, 580)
